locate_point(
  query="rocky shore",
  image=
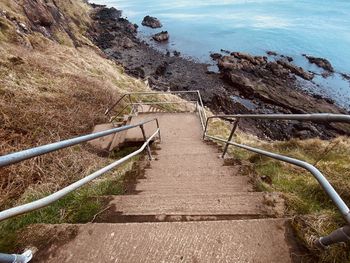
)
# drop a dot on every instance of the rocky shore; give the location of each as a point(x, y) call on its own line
point(244, 83)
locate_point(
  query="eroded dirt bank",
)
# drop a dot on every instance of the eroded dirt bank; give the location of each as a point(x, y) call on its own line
point(244, 83)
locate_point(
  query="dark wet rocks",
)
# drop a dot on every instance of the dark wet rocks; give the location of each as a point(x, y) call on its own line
point(151, 21)
point(320, 62)
point(275, 83)
point(299, 71)
point(215, 56)
point(271, 53)
point(161, 36)
point(108, 14)
point(270, 86)
point(345, 76)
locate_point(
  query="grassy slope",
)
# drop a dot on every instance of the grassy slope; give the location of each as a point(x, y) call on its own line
point(49, 91)
point(314, 215)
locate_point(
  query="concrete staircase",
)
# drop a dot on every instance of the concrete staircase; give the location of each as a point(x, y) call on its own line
point(188, 206)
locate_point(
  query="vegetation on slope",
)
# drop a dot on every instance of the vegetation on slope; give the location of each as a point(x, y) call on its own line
point(54, 85)
point(313, 213)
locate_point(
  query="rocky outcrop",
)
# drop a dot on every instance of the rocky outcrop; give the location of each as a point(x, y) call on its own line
point(161, 37)
point(320, 62)
point(151, 21)
point(50, 18)
point(296, 70)
point(273, 82)
point(107, 14)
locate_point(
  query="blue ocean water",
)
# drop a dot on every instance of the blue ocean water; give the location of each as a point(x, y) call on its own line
point(290, 27)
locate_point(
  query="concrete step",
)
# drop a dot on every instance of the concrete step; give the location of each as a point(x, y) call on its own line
point(195, 185)
point(262, 241)
point(183, 122)
point(194, 180)
point(235, 205)
point(103, 143)
point(224, 171)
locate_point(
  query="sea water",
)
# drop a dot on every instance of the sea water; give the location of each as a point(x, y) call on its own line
point(319, 28)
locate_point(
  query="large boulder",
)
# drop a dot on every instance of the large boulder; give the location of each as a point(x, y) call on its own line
point(161, 37)
point(152, 22)
point(320, 62)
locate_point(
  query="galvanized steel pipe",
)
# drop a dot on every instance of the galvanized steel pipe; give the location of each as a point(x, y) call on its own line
point(63, 192)
point(37, 151)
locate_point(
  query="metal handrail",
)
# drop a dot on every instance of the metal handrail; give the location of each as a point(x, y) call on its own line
point(43, 202)
point(338, 235)
point(199, 102)
point(30, 153)
point(35, 205)
point(37, 151)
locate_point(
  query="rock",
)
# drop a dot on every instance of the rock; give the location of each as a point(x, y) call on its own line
point(290, 59)
point(256, 60)
point(320, 62)
point(215, 56)
point(23, 27)
point(162, 36)
point(132, 28)
point(225, 51)
point(137, 72)
point(127, 43)
point(161, 69)
point(107, 14)
point(271, 53)
point(345, 76)
point(151, 22)
point(38, 13)
point(177, 53)
point(296, 70)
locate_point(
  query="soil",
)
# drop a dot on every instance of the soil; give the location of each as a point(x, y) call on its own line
point(251, 85)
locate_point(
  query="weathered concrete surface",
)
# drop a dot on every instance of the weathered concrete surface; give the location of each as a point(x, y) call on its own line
point(102, 143)
point(235, 203)
point(186, 181)
point(215, 241)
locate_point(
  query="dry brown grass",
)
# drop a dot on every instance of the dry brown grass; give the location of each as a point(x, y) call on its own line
point(314, 214)
point(50, 92)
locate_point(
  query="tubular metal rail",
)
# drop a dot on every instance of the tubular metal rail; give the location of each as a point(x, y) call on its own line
point(30, 153)
point(340, 235)
point(198, 103)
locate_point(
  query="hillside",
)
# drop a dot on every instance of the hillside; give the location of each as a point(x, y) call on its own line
point(56, 84)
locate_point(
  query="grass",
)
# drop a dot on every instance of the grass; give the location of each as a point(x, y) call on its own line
point(314, 215)
point(77, 207)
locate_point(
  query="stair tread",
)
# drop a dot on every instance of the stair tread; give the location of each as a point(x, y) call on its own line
point(204, 241)
point(238, 203)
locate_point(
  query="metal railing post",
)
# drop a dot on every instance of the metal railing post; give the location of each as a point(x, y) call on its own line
point(340, 235)
point(234, 128)
point(160, 138)
point(145, 138)
point(205, 129)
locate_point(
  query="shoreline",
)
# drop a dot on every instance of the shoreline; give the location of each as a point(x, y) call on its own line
point(234, 89)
